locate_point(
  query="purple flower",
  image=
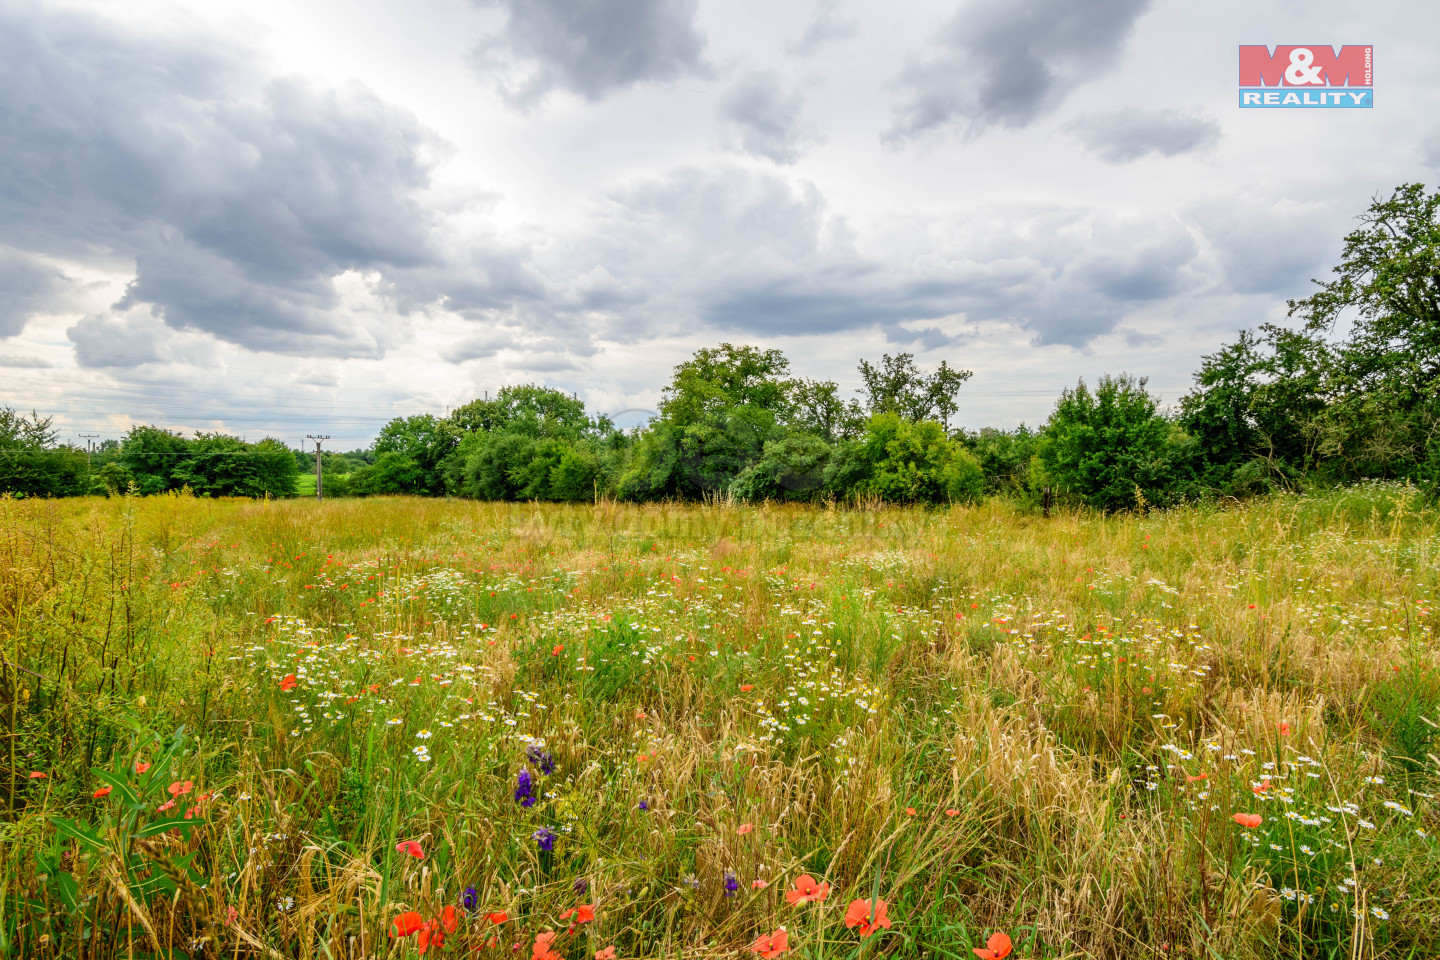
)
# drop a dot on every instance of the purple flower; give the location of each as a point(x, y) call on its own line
point(523, 785)
point(542, 758)
point(580, 886)
point(644, 805)
point(471, 899)
point(544, 838)
point(732, 883)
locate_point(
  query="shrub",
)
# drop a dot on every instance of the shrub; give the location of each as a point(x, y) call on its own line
point(1111, 448)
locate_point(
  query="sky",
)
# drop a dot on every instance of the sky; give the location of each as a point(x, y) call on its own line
point(280, 217)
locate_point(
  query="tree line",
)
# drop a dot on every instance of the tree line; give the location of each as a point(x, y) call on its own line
point(1348, 390)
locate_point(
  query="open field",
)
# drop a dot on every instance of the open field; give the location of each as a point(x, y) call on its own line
point(996, 722)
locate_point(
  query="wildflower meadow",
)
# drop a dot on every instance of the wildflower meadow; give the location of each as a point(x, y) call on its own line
point(399, 727)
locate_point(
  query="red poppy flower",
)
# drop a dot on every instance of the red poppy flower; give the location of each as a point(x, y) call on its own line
point(772, 944)
point(289, 682)
point(746, 687)
point(607, 954)
point(498, 917)
point(1284, 728)
point(447, 919)
point(102, 792)
point(744, 828)
point(406, 924)
point(1198, 776)
point(909, 811)
point(1248, 820)
point(141, 766)
point(861, 914)
point(541, 950)
point(807, 890)
point(952, 812)
point(558, 649)
point(996, 948)
point(582, 914)
point(1260, 788)
point(759, 885)
point(430, 936)
point(411, 847)
point(178, 789)
point(36, 775)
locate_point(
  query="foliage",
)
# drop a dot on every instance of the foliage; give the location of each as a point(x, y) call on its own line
point(790, 468)
point(1112, 449)
point(900, 461)
point(31, 465)
point(221, 466)
point(897, 386)
point(423, 440)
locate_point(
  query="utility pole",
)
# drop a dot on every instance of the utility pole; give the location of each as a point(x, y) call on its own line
point(319, 470)
point(89, 439)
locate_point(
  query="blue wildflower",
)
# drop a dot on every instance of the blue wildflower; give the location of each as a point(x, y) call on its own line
point(542, 758)
point(580, 886)
point(544, 838)
point(732, 883)
point(644, 805)
point(471, 899)
point(523, 787)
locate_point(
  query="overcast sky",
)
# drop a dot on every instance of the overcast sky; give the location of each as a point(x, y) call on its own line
point(290, 217)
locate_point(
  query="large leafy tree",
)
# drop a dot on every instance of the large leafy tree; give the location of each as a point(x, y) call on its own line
point(534, 410)
point(897, 386)
point(223, 466)
point(150, 455)
point(1352, 390)
point(31, 464)
point(426, 441)
point(717, 413)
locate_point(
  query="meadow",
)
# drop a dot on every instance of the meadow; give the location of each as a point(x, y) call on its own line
point(376, 728)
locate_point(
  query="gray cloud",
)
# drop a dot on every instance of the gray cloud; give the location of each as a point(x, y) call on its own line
point(591, 48)
point(826, 25)
point(1430, 151)
point(757, 253)
point(1127, 135)
point(766, 119)
point(1004, 63)
point(1270, 247)
point(26, 363)
point(27, 286)
point(240, 202)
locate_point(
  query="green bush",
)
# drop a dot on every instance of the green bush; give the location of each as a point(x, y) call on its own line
point(903, 462)
point(1113, 450)
point(791, 468)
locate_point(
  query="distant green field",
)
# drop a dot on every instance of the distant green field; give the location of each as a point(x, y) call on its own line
point(306, 486)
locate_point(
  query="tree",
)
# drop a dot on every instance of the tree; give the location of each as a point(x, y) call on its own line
point(791, 468)
point(19, 432)
point(724, 377)
point(900, 461)
point(531, 409)
point(426, 440)
point(217, 465)
point(1112, 449)
point(818, 409)
point(897, 386)
point(1354, 391)
point(150, 455)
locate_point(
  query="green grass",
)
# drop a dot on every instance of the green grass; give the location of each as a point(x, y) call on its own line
point(1073, 708)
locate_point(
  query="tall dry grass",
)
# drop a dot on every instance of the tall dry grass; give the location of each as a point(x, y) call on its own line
point(1072, 708)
